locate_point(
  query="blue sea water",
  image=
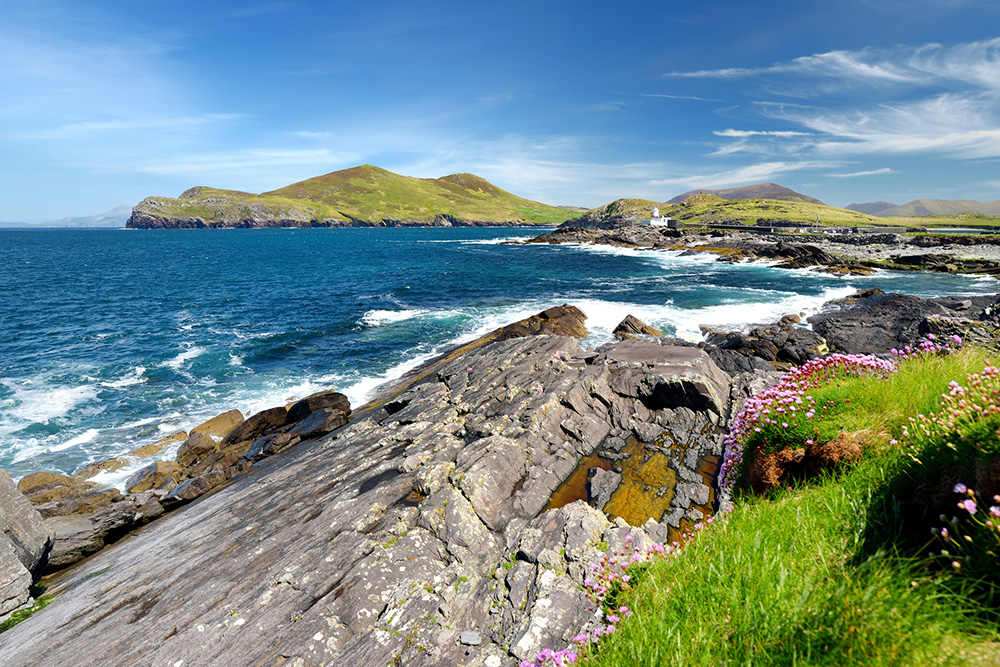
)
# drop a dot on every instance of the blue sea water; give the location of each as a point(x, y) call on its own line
point(110, 339)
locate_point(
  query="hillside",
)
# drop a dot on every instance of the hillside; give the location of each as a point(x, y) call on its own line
point(707, 208)
point(871, 208)
point(758, 191)
point(929, 207)
point(360, 196)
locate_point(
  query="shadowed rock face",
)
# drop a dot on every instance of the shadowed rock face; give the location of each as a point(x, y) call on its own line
point(24, 547)
point(420, 520)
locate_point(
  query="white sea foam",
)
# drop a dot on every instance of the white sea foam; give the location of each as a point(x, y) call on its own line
point(33, 402)
point(191, 353)
point(83, 438)
point(137, 424)
point(235, 359)
point(376, 318)
point(133, 377)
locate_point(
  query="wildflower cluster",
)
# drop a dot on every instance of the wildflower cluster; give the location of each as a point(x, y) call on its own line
point(968, 423)
point(931, 346)
point(607, 578)
point(773, 416)
point(972, 539)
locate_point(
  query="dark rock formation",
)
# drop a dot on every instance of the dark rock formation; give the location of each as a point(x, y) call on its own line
point(25, 542)
point(877, 324)
point(631, 328)
point(447, 511)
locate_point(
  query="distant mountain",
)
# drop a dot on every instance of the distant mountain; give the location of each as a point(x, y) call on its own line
point(113, 219)
point(758, 191)
point(116, 217)
point(364, 196)
point(871, 208)
point(929, 207)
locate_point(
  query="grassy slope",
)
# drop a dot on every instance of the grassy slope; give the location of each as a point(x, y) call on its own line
point(793, 578)
point(366, 193)
point(708, 209)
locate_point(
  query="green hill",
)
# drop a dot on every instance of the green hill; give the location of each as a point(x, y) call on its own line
point(360, 196)
point(707, 208)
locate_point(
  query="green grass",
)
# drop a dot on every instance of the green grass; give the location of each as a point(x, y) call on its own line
point(818, 575)
point(18, 616)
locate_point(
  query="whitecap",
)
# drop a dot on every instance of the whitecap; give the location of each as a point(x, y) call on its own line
point(376, 318)
point(83, 438)
point(191, 353)
point(133, 377)
point(32, 404)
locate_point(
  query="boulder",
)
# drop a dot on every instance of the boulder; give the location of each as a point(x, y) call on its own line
point(54, 494)
point(800, 346)
point(220, 425)
point(196, 448)
point(154, 476)
point(156, 447)
point(562, 320)
point(259, 424)
point(324, 400)
point(632, 327)
point(318, 423)
point(23, 528)
point(77, 536)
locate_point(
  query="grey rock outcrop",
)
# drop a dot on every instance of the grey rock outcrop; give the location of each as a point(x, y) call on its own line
point(25, 542)
point(450, 505)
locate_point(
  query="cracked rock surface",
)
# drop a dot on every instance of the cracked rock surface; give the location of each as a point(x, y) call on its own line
point(444, 525)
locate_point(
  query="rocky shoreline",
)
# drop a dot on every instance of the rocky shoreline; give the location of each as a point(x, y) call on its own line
point(839, 254)
point(450, 521)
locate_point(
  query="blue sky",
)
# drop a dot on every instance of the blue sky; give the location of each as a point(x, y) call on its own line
point(579, 103)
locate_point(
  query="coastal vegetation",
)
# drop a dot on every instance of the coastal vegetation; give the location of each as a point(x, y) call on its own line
point(360, 195)
point(859, 565)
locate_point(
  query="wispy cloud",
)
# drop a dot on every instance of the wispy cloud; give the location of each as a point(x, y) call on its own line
point(947, 103)
point(873, 172)
point(976, 63)
point(93, 128)
point(759, 133)
point(681, 97)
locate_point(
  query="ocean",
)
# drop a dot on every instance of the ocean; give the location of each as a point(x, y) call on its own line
point(112, 339)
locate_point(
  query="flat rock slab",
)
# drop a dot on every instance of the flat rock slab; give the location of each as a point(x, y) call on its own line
point(386, 540)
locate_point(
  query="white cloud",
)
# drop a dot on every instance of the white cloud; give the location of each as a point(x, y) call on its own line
point(757, 133)
point(947, 103)
point(874, 172)
point(89, 129)
point(974, 63)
